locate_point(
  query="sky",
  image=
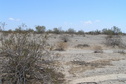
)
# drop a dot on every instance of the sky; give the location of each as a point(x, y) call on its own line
point(87, 15)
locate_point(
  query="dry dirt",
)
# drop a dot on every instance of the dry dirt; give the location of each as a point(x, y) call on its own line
point(83, 59)
point(80, 63)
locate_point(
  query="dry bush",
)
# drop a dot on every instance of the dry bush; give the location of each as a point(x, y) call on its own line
point(98, 49)
point(81, 66)
point(22, 54)
point(121, 52)
point(87, 83)
point(61, 46)
point(114, 40)
point(65, 38)
point(82, 45)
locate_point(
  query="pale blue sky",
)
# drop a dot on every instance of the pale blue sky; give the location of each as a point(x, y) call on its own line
point(78, 14)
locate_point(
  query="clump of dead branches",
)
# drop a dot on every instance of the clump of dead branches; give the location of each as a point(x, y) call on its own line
point(23, 54)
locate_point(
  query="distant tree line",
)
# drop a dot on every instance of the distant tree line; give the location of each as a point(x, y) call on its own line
point(42, 29)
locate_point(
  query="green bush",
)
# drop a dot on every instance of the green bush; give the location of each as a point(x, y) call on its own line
point(40, 29)
point(113, 31)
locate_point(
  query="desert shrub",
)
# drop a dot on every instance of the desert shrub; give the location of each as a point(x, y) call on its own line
point(107, 31)
point(61, 46)
point(87, 83)
point(121, 51)
point(114, 40)
point(40, 29)
point(2, 26)
point(96, 32)
point(64, 38)
point(113, 31)
point(71, 31)
point(49, 31)
point(23, 54)
point(98, 49)
point(30, 30)
point(81, 32)
point(82, 45)
point(21, 28)
point(57, 30)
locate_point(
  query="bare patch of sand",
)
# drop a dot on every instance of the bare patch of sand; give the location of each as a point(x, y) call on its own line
point(99, 78)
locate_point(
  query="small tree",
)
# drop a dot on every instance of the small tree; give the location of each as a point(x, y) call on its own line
point(49, 31)
point(81, 32)
point(71, 31)
point(113, 31)
point(96, 32)
point(57, 30)
point(40, 29)
point(107, 31)
point(21, 28)
point(116, 30)
point(2, 25)
point(30, 30)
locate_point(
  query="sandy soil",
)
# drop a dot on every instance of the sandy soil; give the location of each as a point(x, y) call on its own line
point(100, 78)
point(81, 64)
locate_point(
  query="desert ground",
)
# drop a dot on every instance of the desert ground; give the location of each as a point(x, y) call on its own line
point(82, 65)
point(86, 59)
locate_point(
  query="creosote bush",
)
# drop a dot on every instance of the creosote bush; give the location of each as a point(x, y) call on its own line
point(61, 46)
point(98, 49)
point(82, 45)
point(114, 40)
point(65, 38)
point(23, 54)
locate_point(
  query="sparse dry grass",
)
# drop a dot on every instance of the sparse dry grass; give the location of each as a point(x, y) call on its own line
point(81, 66)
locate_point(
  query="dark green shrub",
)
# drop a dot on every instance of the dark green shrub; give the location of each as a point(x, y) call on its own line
point(40, 29)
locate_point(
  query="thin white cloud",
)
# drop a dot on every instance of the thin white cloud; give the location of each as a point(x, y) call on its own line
point(96, 21)
point(13, 19)
point(88, 22)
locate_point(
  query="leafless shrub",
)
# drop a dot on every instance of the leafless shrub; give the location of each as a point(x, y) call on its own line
point(87, 83)
point(98, 49)
point(64, 38)
point(82, 45)
point(22, 57)
point(121, 52)
point(114, 40)
point(61, 46)
point(81, 32)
